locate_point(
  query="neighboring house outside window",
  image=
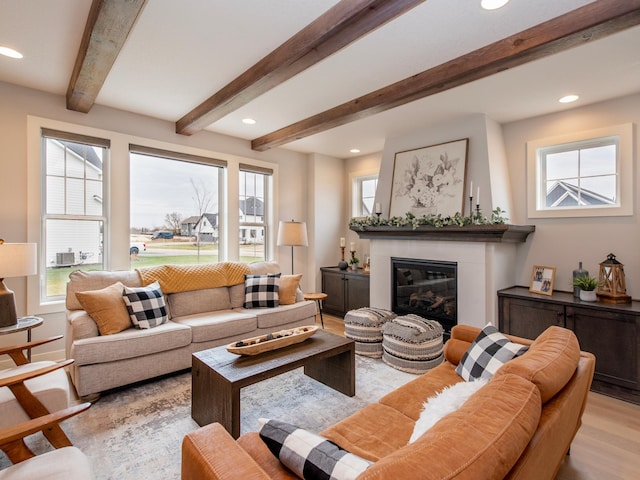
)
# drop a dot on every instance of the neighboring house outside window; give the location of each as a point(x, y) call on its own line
point(581, 174)
point(254, 191)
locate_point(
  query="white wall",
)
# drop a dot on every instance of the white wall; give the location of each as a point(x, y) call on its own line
point(18, 103)
point(563, 242)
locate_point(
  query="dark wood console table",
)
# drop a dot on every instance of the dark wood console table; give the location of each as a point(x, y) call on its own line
point(610, 331)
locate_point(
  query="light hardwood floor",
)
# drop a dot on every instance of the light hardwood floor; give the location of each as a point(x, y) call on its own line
point(607, 446)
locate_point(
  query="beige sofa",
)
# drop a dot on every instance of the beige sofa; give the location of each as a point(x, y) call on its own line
point(199, 318)
point(520, 425)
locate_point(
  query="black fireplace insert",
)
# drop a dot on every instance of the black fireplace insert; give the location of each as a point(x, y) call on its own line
point(427, 288)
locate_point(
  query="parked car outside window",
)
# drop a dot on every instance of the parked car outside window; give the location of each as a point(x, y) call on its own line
point(162, 235)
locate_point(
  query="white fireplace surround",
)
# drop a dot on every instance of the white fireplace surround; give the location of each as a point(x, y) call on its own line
point(483, 269)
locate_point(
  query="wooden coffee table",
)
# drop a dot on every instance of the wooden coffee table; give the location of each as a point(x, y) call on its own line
point(217, 375)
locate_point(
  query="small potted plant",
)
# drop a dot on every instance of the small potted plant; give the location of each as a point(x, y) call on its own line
point(587, 286)
point(354, 263)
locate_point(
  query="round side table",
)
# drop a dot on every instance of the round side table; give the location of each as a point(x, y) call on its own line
point(24, 323)
point(318, 298)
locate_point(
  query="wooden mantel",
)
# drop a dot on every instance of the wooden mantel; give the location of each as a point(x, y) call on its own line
point(469, 233)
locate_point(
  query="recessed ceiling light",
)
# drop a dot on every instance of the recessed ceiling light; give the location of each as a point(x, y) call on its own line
point(355, 150)
point(569, 98)
point(493, 4)
point(10, 52)
point(249, 121)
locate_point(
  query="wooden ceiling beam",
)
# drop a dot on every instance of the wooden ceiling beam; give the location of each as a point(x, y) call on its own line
point(591, 22)
point(339, 26)
point(108, 26)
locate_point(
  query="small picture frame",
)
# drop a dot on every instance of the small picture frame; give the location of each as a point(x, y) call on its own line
point(542, 279)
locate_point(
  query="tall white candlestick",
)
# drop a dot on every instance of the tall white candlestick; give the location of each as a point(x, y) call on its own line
point(342, 242)
point(352, 246)
point(471, 189)
point(478, 197)
point(378, 209)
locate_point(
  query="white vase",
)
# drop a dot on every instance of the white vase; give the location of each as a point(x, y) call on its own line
point(588, 295)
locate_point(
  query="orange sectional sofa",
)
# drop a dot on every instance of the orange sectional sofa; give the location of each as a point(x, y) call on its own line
point(520, 425)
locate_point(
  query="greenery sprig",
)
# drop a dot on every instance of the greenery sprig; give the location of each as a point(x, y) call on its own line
point(410, 220)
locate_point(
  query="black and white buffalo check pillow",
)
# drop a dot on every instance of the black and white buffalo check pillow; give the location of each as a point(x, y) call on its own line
point(146, 305)
point(308, 455)
point(489, 351)
point(261, 290)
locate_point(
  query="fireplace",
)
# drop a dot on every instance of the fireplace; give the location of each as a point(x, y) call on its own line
point(427, 288)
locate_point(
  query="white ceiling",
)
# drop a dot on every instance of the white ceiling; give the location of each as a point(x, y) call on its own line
point(181, 52)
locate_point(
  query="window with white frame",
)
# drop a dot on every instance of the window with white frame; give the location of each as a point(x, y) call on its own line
point(74, 218)
point(254, 189)
point(582, 174)
point(364, 194)
point(174, 207)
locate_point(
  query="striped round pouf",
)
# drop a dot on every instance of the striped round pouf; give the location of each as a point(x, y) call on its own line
point(363, 327)
point(412, 344)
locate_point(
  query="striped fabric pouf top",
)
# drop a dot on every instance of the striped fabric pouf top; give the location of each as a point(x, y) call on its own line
point(412, 344)
point(364, 326)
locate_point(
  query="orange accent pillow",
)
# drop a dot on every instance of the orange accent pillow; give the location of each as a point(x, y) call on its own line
point(288, 288)
point(107, 308)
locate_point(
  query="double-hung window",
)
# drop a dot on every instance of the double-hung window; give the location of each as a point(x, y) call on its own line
point(74, 212)
point(254, 187)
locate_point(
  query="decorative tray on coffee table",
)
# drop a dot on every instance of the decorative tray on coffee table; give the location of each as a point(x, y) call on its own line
point(271, 341)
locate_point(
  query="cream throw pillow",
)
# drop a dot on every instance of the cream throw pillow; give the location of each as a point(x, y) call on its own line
point(107, 308)
point(288, 288)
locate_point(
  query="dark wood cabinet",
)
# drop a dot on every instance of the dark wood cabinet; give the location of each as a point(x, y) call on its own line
point(610, 331)
point(346, 290)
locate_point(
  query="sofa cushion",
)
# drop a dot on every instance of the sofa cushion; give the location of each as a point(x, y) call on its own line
point(308, 455)
point(81, 281)
point(198, 301)
point(274, 318)
point(107, 308)
point(373, 432)
point(490, 350)
point(261, 291)
point(288, 289)
point(448, 400)
point(549, 363)
point(409, 399)
point(483, 439)
point(216, 325)
point(130, 343)
point(146, 305)
point(61, 464)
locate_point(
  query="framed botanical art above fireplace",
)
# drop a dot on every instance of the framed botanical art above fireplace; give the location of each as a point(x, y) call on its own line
point(430, 180)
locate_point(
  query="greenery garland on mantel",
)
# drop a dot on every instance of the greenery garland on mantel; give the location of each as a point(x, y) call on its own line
point(438, 221)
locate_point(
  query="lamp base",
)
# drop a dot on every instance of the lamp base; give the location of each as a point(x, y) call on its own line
point(8, 317)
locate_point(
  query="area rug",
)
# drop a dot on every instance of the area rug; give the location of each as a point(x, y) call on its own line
point(136, 432)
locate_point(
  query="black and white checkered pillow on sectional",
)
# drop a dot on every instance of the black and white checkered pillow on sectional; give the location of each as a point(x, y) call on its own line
point(146, 305)
point(308, 455)
point(261, 290)
point(488, 352)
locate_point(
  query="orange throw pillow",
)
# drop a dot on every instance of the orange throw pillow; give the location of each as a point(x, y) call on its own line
point(107, 308)
point(288, 288)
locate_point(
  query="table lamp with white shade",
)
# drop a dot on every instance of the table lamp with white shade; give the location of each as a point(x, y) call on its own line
point(16, 260)
point(293, 234)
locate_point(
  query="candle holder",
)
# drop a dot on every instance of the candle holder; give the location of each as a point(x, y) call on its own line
point(471, 206)
point(378, 214)
point(478, 214)
point(342, 264)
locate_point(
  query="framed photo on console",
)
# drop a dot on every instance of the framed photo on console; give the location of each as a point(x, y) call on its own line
point(542, 279)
